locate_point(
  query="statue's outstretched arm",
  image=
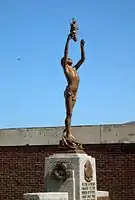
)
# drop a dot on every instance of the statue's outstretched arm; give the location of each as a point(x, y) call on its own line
point(82, 55)
point(66, 51)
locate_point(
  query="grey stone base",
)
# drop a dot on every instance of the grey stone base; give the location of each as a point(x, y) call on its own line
point(103, 195)
point(46, 196)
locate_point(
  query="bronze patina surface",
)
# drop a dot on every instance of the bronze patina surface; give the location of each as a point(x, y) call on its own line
point(70, 93)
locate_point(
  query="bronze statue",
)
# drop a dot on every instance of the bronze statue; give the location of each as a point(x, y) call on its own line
point(71, 91)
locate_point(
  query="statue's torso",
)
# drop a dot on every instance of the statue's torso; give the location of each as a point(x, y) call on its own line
point(72, 78)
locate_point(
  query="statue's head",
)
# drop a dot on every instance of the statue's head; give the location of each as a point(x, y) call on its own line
point(69, 61)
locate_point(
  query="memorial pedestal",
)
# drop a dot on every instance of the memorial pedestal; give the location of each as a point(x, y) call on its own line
point(69, 176)
point(75, 184)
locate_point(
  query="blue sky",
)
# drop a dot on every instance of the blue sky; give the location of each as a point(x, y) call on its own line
point(31, 90)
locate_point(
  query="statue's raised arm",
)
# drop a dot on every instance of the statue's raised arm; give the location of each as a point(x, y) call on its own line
point(80, 62)
point(65, 58)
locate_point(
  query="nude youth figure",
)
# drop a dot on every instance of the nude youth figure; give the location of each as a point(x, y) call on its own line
point(73, 83)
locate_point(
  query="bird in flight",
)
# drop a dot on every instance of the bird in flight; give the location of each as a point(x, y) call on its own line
point(19, 58)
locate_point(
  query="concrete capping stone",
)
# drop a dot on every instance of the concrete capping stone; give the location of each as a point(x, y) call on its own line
point(97, 134)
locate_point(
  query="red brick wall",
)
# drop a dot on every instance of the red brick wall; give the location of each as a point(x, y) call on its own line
point(22, 169)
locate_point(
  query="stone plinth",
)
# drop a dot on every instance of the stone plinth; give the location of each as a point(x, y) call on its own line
point(46, 196)
point(78, 174)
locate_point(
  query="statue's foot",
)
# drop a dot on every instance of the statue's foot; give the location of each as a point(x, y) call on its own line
point(70, 137)
point(70, 142)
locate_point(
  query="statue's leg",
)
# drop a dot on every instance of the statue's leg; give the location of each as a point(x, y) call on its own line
point(73, 104)
point(68, 104)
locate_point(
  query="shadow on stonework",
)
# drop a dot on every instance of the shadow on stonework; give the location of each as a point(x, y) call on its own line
point(49, 187)
point(59, 174)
